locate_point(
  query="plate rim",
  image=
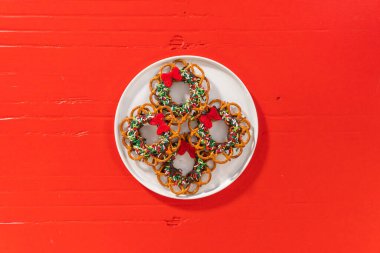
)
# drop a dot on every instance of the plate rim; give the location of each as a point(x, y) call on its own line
point(216, 190)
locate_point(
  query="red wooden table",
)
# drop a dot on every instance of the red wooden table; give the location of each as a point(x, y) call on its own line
point(311, 66)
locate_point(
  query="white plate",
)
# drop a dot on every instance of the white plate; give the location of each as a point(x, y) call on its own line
point(225, 85)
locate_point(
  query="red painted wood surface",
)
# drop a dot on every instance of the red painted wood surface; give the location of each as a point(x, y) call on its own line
point(311, 66)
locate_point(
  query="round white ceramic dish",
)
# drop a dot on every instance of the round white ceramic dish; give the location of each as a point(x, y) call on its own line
point(226, 86)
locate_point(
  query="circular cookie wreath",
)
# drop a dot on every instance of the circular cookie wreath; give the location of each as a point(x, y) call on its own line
point(199, 88)
point(135, 144)
point(172, 177)
point(168, 116)
point(237, 137)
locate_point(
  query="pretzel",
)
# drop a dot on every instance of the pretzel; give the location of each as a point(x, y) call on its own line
point(199, 88)
point(237, 138)
point(189, 184)
point(135, 144)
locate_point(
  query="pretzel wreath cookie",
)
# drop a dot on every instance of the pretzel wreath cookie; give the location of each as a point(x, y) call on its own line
point(158, 152)
point(189, 73)
point(173, 178)
point(237, 137)
point(168, 116)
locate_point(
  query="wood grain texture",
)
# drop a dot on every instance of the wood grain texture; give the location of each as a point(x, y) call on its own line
point(311, 66)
